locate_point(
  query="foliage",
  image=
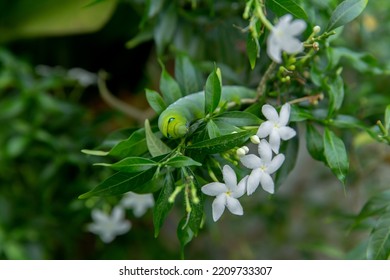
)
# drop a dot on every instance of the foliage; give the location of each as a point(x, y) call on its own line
point(313, 82)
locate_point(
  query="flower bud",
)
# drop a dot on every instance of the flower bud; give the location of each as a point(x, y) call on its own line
point(316, 29)
point(255, 139)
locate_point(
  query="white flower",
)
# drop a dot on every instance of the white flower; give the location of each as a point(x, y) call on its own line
point(84, 77)
point(138, 202)
point(109, 226)
point(282, 37)
point(276, 126)
point(262, 168)
point(226, 194)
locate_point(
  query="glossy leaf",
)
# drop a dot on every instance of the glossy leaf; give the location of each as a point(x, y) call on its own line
point(121, 183)
point(252, 50)
point(239, 118)
point(335, 88)
point(131, 164)
point(212, 129)
point(135, 145)
point(336, 155)
point(163, 206)
point(170, 89)
point(188, 77)
point(314, 143)
point(156, 147)
point(155, 101)
point(165, 28)
point(374, 206)
point(345, 12)
point(222, 143)
point(213, 91)
point(282, 7)
point(182, 161)
point(379, 241)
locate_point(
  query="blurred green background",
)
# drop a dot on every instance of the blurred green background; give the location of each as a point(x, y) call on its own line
point(50, 109)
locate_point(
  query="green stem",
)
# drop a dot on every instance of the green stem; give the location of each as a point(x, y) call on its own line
point(260, 14)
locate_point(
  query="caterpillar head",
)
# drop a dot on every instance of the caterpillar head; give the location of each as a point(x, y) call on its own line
point(174, 126)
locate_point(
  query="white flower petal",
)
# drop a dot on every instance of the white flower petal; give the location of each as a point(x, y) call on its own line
point(292, 45)
point(234, 206)
point(274, 140)
point(229, 177)
point(265, 151)
point(286, 133)
point(117, 214)
point(270, 113)
point(274, 48)
point(284, 114)
point(296, 27)
point(253, 181)
point(265, 129)
point(267, 183)
point(276, 163)
point(241, 188)
point(251, 161)
point(214, 189)
point(99, 216)
point(218, 206)
point(123, 227)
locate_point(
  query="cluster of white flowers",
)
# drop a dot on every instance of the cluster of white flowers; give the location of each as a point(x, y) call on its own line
point(108, 226)
point(282, 37)
point(263, 165)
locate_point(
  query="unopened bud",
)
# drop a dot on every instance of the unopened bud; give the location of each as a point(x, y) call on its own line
point(246, 149)
point(316, 29)
point(316, 46)
point(255, 139)
point(241, 152)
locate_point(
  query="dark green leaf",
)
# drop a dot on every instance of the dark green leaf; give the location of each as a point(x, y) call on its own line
point(314, 143)
point(185, 235)
point(282, 7)
point(165, 28)
point(121, 183)
point(156, 147)
point(181, 161)
point(170, 89)
point(222, 143)
point(131, 164)
point(212, 129)
point(155, 101)
point(225, 128)
point(252, 50)
point(299, 114)
point(135, 145)
point(163, 206)
point(345, 12)
point(238, 118)
point(336, 155)
point(379, 241)
point(212, 92)
point(188, 77)
point(335, 88)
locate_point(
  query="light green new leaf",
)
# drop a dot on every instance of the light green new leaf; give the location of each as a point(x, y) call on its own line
point(387, 118)
point(252, 50)
point(155, 101)
point(282, 7)
point(213, 91)
point(170, 89)
point(379, 241)
point(94, 152)
point(131, 164)
point(336, 155)
point(135, 145)
point(155, 146)
point(181, 161)
point(345, 12)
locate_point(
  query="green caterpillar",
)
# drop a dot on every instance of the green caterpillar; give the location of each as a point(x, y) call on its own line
point(176, 118)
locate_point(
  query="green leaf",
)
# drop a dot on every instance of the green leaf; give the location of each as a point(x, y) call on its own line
point(131, 164)
point(282, 7)
point(213, 91)
point(170, 89)
point(165, 28)
point(336, 155)
point(184, 234)
point(156, 147)
point(155, 101)
point(314, 143)
point(387, 118)
point(121, 183)
point(143, 36)
point(135, 145)
point(345, 12)
point(188, 77)
point(252, 50)
point(212, 129)
point(154, 7)
point(375, 205)
point(239, 118)
point(94, 152)
point(335, 88)
point(221, 144)
point(299, 114)
point(181, 161)
point(163, 206)
point(379, 241)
